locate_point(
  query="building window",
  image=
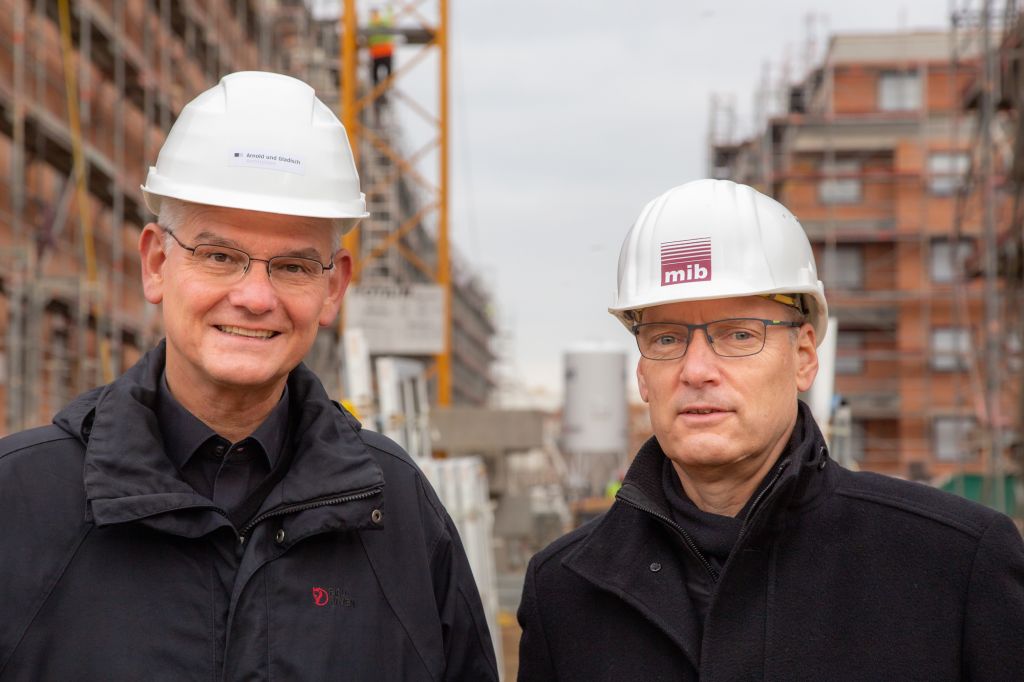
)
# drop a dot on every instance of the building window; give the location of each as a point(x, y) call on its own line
point(849, 349)
point(953, 438)
point(949, 348)
point(1014, 359)
point(844, 267)
point(946, 171)
point(948, 257)
point(840, 183)
point(899, 91)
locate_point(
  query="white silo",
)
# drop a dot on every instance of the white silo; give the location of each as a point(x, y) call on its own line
point(594, 418)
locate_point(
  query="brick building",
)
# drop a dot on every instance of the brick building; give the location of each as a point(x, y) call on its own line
point(871, 152)
point(133, 65)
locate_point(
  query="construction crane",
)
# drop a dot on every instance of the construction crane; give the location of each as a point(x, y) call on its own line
point(359, 113)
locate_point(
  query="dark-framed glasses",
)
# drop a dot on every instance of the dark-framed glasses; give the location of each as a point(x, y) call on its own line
point(226, 264)
point(735, 337)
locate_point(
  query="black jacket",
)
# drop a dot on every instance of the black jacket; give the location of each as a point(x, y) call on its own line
point(836, 576)
point(351, 569)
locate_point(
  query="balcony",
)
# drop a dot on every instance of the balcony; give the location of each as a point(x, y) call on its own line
point(874, 404)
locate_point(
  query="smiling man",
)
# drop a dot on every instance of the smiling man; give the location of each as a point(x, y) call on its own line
point(736, 548)
point(212, 514)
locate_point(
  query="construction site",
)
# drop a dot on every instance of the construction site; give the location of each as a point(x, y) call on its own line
point(88, 91)
point(901, 153)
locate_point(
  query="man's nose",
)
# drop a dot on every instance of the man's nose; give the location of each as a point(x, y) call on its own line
point(700, 362)
point(254, 291)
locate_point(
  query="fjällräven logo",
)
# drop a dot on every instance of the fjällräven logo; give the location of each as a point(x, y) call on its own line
point(331, 596)
point(686, 260)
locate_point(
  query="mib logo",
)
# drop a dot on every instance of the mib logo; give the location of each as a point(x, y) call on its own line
point(331, 596)
point(686, 260)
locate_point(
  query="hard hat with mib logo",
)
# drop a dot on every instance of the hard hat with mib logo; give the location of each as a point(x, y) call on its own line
point(712, 239)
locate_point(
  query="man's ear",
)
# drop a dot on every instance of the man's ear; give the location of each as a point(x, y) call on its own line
point(806, 357)
point(641, 382)
point(337, 280)
point(153, 258)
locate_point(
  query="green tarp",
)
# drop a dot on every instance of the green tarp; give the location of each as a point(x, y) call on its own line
point(973, 487)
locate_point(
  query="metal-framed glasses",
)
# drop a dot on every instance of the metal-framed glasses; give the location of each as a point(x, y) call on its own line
point(225, 263)
point(735, 337)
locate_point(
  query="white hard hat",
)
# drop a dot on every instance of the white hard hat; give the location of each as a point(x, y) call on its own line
point(263, 142)
point(712, 239)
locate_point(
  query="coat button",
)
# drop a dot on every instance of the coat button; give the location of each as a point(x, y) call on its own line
point(655, 567)
point(279, 536)
point(376, 515)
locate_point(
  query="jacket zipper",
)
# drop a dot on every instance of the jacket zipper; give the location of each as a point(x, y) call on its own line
point(757, 501)
point(691, 545)
point(325, 502)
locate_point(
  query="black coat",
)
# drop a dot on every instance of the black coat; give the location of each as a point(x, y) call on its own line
point(836, 576)
point(351, 570)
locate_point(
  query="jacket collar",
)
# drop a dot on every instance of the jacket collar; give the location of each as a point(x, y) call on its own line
point(798, 483)
point(619, 554)
point(129, 477)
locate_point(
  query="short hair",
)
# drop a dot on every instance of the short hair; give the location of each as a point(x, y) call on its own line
point(174, 212)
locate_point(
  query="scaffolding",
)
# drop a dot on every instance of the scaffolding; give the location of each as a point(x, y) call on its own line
point(88, 90)
point(869, 148)
point(990, 103)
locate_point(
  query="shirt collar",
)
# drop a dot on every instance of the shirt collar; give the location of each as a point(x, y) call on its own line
point(273, 432)
point(184, 434)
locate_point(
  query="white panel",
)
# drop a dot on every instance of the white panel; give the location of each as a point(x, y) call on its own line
point(594, 419)
point(401, 418)
point(461, 484)
point(398, 320)
point(819, 397)
point(358, 374)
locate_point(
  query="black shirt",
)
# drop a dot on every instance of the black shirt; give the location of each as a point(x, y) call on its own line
point(234, 476)
point(715, 535)
point(228, 474)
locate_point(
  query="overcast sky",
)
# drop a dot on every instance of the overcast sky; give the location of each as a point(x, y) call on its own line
point(569, 116)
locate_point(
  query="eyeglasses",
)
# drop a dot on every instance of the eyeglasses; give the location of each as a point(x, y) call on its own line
point(732, 338)
point(225, 263)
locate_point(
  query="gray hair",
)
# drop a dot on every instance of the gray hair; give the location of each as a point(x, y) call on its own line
point(171, 217)
point(174, 212)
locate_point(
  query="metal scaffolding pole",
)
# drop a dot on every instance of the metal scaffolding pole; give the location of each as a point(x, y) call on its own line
point(18, 270)
point(444, 268)
point(993, 360)
point(117, 227)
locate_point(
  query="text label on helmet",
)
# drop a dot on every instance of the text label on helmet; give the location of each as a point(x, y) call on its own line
point(261, 158)
point(686, 260)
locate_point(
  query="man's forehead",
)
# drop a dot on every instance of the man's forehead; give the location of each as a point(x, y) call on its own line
point(711, 309)
point(221, 223)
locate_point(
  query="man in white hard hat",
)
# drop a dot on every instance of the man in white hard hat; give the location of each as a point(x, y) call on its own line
point(212, 514)
point(736, 548)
